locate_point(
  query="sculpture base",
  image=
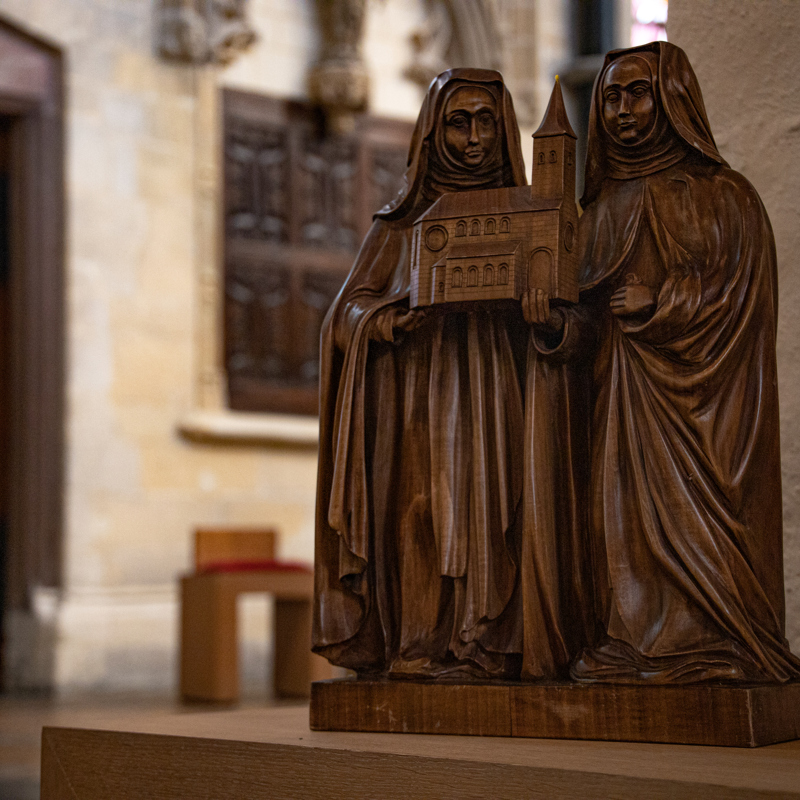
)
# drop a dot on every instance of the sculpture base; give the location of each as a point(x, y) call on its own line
point(731, 716)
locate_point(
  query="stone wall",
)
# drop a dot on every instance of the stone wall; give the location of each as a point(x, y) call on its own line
point(746, 57)
point(142, 172)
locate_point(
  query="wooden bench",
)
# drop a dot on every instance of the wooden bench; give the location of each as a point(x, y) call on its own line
point(230, 562)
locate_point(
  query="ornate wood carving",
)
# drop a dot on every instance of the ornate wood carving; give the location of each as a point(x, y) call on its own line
point(297, 204)
point(203, 31)
point(583, 487)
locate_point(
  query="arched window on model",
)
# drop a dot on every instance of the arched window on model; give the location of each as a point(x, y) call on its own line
point(505, 225)
point(458, 278)
point(490, 226)
point(488, 275)
point(472, 276)
point(461, 228)
point(502, 275)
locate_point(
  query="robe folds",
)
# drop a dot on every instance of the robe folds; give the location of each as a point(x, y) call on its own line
point(419, 487)
point(417, 534)
point(685, 510)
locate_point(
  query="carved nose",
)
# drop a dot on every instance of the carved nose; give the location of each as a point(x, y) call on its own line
point(473, 131)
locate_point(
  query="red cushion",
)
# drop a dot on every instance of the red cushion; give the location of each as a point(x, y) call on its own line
point(265, 565)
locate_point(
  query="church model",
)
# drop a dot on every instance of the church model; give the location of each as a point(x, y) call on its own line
point(497, 244)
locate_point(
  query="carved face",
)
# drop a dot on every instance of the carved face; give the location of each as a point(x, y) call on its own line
point(470, 120)
point(629, 107)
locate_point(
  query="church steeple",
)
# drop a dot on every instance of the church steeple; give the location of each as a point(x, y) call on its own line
point(554, 151)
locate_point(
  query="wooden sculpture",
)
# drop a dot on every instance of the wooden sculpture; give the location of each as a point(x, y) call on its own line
point(678, 310)
point(421, 430)
point(498, 244)
point(587, 506)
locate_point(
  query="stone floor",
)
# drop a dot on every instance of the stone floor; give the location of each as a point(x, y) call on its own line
point(23, 716)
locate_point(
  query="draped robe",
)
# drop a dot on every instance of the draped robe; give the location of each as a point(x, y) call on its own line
point(686, 484)
point(685, 513)
point(419, 483)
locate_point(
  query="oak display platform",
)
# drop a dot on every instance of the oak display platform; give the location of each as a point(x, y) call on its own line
point(732, 716)
point(270, 753)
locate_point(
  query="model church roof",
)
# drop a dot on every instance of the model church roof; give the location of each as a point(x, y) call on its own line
point(556, 121)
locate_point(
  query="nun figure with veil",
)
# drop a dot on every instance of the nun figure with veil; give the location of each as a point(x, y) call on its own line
point(678, 306)
point(421, 431)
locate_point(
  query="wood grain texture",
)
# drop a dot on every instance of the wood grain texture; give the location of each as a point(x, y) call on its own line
point(708, 715)
point(271, 753)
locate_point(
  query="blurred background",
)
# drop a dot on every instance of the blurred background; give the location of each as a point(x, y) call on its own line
point(183, 187)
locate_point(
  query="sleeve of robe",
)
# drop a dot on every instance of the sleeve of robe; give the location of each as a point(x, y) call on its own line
point(378, 280)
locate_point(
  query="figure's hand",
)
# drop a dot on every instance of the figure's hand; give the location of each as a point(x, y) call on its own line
point(537, 312)
point(633, 299)
point(386, 323)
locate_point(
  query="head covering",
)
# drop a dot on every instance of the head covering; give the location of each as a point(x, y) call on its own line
point(432, 171)
point(681, 123)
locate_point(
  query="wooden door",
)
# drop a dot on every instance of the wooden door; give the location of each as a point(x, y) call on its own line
point(32, 331)
point(297, 206)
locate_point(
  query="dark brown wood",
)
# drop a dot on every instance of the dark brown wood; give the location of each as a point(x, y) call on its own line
point(501, 243)
point(270, 753)
point(477, 709)
point(31, 105)
point(554, 490)
point(297, 203)
point(719, 715)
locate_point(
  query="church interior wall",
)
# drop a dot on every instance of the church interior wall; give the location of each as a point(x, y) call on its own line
point(135, 487)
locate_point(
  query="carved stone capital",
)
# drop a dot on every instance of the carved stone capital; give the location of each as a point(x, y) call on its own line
point(202, 31)
point(455, 33)
point(339, 81)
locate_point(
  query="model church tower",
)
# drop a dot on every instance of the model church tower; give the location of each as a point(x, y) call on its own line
point(495, 244)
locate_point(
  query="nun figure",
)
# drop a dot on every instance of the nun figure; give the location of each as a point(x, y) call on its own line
point(421, 431)
point(678, 305)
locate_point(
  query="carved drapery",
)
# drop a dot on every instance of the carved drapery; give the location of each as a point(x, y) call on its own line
point(339, 81)
point(202, 31)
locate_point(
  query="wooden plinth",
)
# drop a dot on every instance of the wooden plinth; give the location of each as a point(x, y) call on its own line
point(270, 753)
point(730, 716)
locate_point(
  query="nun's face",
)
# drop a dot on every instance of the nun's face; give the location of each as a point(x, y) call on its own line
point(629, 107)
point(470, 125)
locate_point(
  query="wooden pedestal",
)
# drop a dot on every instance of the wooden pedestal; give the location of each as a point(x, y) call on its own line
point(270, 753)
point(721, 715)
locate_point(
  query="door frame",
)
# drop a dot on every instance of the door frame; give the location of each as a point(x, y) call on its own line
point(32, 94)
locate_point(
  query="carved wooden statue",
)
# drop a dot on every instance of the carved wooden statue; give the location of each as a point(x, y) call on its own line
point(497, 244)
point(593, 497)
point(678, 310)
point(420, 474)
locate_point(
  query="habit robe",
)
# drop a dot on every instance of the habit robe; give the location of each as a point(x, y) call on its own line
point(420, 445)
point(685, 516)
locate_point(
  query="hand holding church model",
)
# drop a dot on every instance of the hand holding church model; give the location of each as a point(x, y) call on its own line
point(571, 470)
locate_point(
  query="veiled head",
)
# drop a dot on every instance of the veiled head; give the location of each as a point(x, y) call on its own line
point(466, 138)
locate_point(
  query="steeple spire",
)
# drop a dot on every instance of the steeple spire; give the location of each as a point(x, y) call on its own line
point(555, 122)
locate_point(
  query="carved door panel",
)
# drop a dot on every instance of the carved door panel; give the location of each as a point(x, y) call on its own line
point(297, 205)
